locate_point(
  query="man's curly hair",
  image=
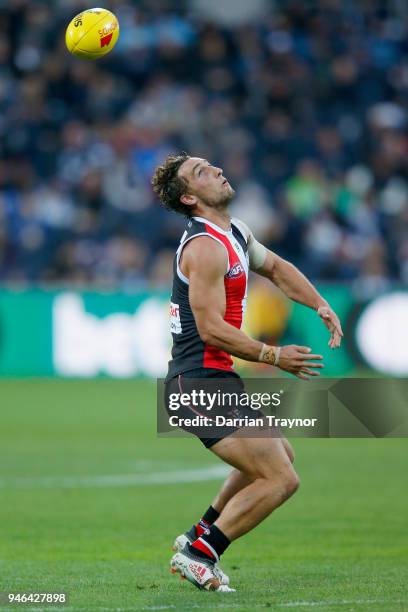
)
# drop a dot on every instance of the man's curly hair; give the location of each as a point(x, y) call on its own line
point(169, 186)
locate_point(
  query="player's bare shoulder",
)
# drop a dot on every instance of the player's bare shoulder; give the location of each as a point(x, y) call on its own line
point(203, 254)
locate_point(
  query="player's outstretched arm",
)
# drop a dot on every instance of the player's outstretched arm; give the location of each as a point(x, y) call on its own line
point(292, 282)
point(298, 288)
point(204, 262)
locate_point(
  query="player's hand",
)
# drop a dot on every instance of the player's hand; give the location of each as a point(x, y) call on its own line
point(300, 361)
point(331, 321)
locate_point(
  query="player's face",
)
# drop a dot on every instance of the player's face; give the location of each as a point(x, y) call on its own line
point(206, 184)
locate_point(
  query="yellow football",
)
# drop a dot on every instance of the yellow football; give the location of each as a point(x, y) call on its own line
point(92, 33)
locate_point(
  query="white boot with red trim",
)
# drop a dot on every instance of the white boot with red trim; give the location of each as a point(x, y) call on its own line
point(200, 572)
point(183, 539)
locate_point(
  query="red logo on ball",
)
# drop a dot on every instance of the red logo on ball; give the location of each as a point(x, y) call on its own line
point(105, 40)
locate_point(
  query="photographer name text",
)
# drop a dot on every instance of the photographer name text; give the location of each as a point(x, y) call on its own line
point(222, 421)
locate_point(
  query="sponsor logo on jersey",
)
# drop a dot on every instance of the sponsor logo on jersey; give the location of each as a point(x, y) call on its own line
point(236, 271)
point(175, 322)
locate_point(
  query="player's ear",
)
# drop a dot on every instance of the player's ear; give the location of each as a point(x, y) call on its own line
point(188, 199)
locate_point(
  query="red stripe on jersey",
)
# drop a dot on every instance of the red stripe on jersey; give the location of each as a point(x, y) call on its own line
point(235, 287)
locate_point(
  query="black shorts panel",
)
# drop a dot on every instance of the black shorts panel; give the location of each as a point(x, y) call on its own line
point(180, 384)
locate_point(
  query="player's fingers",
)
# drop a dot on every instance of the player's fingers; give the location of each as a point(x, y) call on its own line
point(312, 357)
point(308, 364)
point(302, 376)
point(337, 324)
point(337, 328)
point(303, 349)
point(310, 372)
point(332, 321)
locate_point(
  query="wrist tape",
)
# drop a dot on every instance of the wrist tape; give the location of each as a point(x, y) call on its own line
point(276, 354)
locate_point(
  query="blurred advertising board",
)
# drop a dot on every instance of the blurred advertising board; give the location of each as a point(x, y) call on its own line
point(73, 334)
point(86, 335)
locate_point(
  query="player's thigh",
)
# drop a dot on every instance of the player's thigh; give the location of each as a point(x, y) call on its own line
point(255, 457)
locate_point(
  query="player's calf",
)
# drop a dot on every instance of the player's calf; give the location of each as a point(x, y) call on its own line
point(266, 463)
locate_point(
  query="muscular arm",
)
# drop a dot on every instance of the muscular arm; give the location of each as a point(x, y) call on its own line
point(291, 281)
point(298, 288)
point(204, 263)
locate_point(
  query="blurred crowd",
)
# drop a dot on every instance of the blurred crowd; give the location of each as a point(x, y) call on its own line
point(303, 105)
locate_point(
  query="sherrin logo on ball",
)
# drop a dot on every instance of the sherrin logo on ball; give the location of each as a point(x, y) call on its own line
point(92, 33)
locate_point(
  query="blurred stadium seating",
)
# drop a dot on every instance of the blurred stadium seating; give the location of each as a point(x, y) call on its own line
point(303, 104)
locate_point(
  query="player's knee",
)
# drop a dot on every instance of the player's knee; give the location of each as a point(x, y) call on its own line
point(287, 484)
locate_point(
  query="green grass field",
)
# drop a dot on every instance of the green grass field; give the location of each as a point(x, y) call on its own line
point(90, 504)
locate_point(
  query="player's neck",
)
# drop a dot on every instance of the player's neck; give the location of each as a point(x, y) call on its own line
point(221, 218)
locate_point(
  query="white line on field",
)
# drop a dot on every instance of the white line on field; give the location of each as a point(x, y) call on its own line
point(343, 602)
point(117, 480)
point(287, 604)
